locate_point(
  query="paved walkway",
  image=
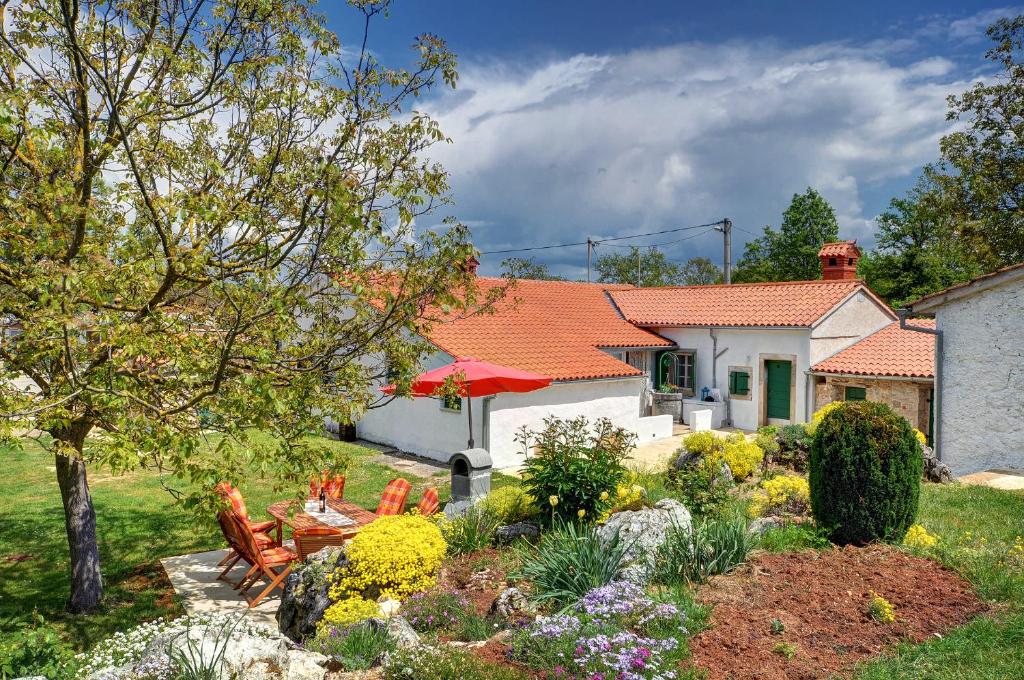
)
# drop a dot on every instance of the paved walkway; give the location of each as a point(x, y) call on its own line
point(194, 578)
point(656, 455)
point(1007, 480)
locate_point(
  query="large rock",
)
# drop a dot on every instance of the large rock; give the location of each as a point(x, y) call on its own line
point(403, 634)
point(643, 532)
point(512, 605)
point(237, 651)
point(509, 533)
point(934, 469)
point(305, 597)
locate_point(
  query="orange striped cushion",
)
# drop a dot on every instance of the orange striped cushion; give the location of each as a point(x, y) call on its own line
point(392, 501)
point(278, 555)
point(430, 503)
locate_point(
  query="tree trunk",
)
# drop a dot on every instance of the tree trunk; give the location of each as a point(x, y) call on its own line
point(80, 523)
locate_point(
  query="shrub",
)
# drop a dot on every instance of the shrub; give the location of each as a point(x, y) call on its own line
point(741, 455)
point(865, 473)
point(392, 557)
point(794, 447)
point(572, 465)
point(820, 414)
point(349, 610)
point(718, 545)
point(569, 562)
point(768, 439)
point(701, 489)
point(472, 531)
point(435, 610)
point(32, 650)
point(785, 494)
point(701, 443)
point(627, 496)
point(355, 648)
point(510, 504)
point(921, 437)
point(443, 663)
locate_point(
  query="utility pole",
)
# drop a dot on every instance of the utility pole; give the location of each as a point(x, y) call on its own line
point(726, 229)
point(590, 251)
point(639, 278)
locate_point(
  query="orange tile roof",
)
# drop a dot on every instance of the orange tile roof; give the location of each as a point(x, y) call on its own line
point(788, 304)
point(549, 327)
point(840, 249)
point(891, 351)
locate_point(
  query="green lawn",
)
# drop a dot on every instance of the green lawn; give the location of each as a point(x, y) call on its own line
point(977, 528)
point(138, 523)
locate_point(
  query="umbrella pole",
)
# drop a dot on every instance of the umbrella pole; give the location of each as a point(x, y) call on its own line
point(469, 410)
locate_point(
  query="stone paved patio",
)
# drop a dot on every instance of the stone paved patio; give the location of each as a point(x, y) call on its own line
point(194, 578)
point(1007, 480)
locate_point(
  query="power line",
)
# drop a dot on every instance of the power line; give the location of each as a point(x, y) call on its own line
point(663, 243)
point(599, 241)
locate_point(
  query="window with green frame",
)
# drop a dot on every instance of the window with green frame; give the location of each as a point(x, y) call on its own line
point(451, 403)
point(855, 393)
point(739, 382)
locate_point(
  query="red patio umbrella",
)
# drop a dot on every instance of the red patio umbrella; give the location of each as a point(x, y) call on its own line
point(476, 378)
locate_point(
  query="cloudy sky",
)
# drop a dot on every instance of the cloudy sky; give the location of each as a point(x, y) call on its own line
point(577, 119)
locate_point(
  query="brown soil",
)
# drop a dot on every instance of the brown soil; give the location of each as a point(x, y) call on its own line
point(479, 576)
point(821, 598)
point(150, 576)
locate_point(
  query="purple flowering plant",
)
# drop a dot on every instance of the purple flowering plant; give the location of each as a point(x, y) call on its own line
point(437, 610)
point(615, 632)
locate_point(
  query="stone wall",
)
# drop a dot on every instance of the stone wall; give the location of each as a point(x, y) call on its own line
point(908, 398)
point(983, 380)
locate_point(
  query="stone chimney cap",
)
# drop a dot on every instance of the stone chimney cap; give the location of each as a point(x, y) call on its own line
point(840, 249)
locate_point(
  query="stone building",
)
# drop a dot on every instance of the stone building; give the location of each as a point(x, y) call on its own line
point(979, 411)
point(894, 366)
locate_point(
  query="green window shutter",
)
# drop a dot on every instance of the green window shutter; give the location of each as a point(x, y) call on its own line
point(739, 383)
point(855, 394)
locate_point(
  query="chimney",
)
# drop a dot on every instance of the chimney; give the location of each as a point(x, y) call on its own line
point(471, 265)
point(839, 260)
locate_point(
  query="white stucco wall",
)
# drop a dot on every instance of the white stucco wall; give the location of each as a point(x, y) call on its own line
point(420, 426)
point(858, 317)
point(982, 380)
point(745, 348)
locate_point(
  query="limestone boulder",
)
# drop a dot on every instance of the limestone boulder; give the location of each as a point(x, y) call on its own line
point(305, 597)
point(642, 532)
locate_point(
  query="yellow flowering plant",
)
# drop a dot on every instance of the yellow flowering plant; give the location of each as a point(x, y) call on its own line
point(741, 455)
point(510, 504)
point(921, 437)
point(785, 494)
point(391, 558)
point(880, 609)
point(918, 537)
point(350, 610)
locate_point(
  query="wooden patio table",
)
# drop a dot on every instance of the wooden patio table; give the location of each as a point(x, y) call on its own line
point(284, 513)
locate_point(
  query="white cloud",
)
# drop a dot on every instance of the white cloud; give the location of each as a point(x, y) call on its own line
point(973, 27)
point(654, 138)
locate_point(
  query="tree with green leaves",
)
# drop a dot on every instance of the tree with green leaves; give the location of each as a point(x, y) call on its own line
point(527, 268)
point(700, 271)
point(643, 266)
point(791, 254)
point(207, 216)
point(917, 251)
point(981, 176)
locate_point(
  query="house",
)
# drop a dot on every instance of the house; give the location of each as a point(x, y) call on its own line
point(756, 342)
point(608, 347)
point(568, 331)
point(894, 366)
point(979, 375)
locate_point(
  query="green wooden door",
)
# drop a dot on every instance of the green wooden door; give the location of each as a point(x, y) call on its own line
point(778, 374)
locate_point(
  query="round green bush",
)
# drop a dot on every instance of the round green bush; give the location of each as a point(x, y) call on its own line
point(865, 474)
